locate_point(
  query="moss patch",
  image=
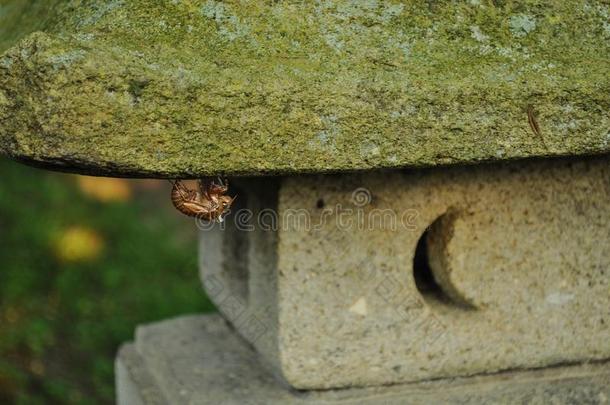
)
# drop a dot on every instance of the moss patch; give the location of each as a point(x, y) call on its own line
point(191, 88)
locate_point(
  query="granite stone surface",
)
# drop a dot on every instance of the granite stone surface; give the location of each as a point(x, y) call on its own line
point(386, 277)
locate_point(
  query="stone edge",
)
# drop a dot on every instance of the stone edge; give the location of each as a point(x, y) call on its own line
point(133, 383)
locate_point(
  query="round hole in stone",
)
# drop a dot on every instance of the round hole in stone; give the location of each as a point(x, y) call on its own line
point(422, 273)
point(320, 203)
point(432, 280)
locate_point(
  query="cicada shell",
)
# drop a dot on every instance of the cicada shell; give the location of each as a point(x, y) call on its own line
point(208, 202)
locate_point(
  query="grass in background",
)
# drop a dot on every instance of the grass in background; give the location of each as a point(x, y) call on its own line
point(82, 262)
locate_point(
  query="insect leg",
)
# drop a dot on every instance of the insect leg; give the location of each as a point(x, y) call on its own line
point(219, 188)
point(204, 188)
point(232, 201)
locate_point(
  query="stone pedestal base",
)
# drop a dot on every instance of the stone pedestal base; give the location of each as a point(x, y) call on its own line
point(200, 360)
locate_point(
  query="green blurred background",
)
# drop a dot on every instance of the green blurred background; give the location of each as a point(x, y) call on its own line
point(83, 261)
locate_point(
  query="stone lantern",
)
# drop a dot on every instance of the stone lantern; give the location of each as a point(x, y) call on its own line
point(423, 210)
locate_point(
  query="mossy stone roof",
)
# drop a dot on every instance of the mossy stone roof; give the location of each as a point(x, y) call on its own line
point(187, 88)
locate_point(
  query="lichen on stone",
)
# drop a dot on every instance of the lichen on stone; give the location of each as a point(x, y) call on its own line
point(194, 87)
point(521, 24)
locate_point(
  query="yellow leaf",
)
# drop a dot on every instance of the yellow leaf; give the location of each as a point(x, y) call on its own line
point(150, 184)
point(105, 189)
point(79, 244)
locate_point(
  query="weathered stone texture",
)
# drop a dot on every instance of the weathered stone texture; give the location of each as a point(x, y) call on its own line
point(331, 296)
point(198, 360)
point(186, 88)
